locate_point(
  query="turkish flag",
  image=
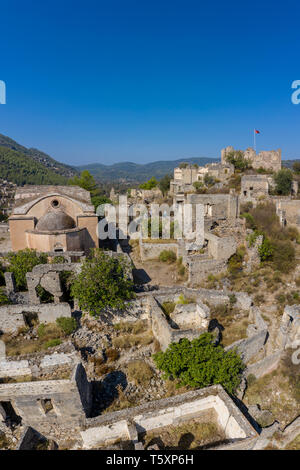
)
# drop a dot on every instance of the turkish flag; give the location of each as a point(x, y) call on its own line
point(256, 131)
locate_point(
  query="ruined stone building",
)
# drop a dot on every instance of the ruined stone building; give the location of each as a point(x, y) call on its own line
point(269, 160)
point(53, 218)
point(184, 178)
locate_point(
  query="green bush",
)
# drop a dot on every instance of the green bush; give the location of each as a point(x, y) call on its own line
point(152, 183)
point(102, 283)
point(283, 181)
point(22, 262)
point(3, 298)
point(167, 256)
point(168, 307)
point(67, 324)
point(284, 255)
point(266, 250)
point(200, 363)
point(236, 158)
point(52, 342)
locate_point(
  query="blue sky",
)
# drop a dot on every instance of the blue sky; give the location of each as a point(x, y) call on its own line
point(109, 81)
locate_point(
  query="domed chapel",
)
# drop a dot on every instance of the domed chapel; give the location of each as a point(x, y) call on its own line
point(53, 219)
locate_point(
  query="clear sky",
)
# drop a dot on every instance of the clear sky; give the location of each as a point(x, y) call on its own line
point(145, 80)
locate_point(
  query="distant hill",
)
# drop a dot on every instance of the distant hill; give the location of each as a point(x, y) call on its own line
point(21, 169)
point(134, 172)
point(40, 157)
point(289, 163)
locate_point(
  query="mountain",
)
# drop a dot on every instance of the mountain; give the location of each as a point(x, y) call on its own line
point(138, 173)
point(21, 169)
point(40, 157)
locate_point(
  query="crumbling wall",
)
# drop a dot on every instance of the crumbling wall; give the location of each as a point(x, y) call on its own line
point(12, 316)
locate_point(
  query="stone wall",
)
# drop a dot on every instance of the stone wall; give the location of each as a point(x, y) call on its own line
point(111, 427)
point(12, 316)
point(28, 401)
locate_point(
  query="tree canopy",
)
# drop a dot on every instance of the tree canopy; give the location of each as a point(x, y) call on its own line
point(283, 181)
point(102, 283)
point(200, 363)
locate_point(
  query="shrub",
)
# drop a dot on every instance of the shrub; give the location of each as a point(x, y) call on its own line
point(52, 342)
point(22, 262)
point(236, 158)
point(45, 297)
point(200, 363)
point(284, 255)
point(184, 300)
point(3, 298)
point(168, 307)
point(58, 260)
point(266, 250)
point(249, 219)
point(102, 283)
point(167, 256)
point(67, 324)
point(283, 181)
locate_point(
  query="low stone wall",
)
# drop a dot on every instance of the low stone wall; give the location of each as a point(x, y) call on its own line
point(107, 428)
point(199, 267)
point(12, 316)
point(163, 331)
point(265, 366)
point(257, 337)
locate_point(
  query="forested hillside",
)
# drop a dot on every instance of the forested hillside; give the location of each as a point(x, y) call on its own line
point(40, 157)
point(23, 169)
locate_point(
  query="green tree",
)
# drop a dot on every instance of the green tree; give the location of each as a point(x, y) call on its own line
point(164, 184)
point(87, 182)
point(150, 184)
point(283, 181)
point(237, 159)
point(296, 166)
point(209, 180)
point(22, 262)
point(102, 283)
point(200, 363)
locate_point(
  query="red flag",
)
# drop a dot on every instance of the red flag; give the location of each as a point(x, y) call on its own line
point(256, 131)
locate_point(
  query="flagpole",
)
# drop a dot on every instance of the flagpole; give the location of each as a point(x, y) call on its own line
point(254, 137)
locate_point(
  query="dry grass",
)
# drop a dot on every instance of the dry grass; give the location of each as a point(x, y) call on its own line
point(120, 403)
point(276, 392)
point(49, 335)
point(5, 443)
point(129, 340)
point(136, 327)
point(139, 372)
point(294, 445)
point(190, 435)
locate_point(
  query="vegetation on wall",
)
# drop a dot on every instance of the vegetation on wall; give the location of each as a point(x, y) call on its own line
point(102, 283)
point(200, 363)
